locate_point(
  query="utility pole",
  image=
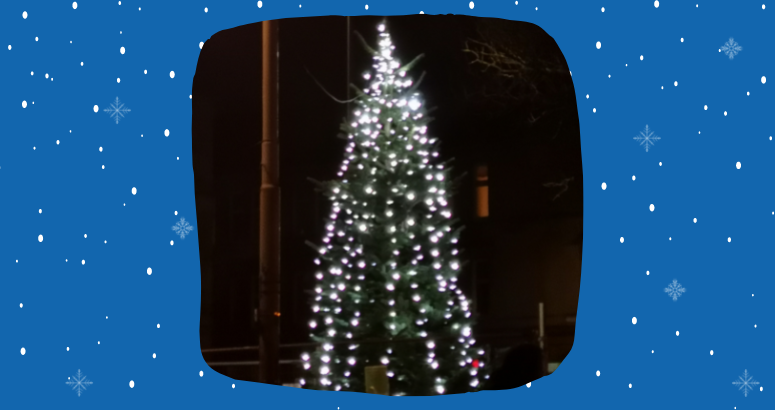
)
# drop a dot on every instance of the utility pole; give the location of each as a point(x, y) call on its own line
point(269, 240)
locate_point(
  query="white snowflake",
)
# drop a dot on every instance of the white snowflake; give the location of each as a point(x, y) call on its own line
point(182, 228)
point(675, 290)
point(745, 383)
point(731, 48)
point(79, 382)
point(647, 137)
point(117, 110)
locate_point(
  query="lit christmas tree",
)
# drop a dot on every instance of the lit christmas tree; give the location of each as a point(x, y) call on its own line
point(387, 292)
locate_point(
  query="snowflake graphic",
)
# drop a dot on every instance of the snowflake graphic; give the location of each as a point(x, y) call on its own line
point(79, 382)
point(745, 383)
point(647, 137)
point(731, 48)
point(117, 110)
point(675, 290)
point(182, 228)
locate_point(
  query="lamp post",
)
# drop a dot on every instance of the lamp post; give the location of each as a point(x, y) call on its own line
point(269, 240)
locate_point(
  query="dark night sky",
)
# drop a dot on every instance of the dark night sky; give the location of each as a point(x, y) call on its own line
point(472, 129)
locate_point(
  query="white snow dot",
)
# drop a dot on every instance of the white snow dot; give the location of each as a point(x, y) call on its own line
point(634, 320)
point(134, 191)
point(68, 348)
point(725, 113)
point(172, 74)
point(602, 9)
point(24, 351)
point(260, 4)
point(641, 58)
point(529, 384)
point(232, 386)
point(587, 96)
point(205, 9)
point(670, 238)
point(695, 220)
point(75, 5)
point(651, 207)
point(81, 63)
point(657, 6)
point(748, 93)
point(96, 108)
point(24, 15)
point(24, 104)
point(677, 333)
point(145, 71)
point(738, 165)
point(118, 80)
point(764, 79)
point(648, 273)
point(598, 373)
point(100, 149)
point(123, 50)
point(682, 39)
point(131, 384)
point(190, 96)
point(98, 342)
point(729, 239)
point(40, 211)
point(754, 326)
point(154, 355)
point(57, 142)
point(176, 212)
point(652, 352)
point(598, 45)
point(21, 305)
point(711, 352)
point(201, 44)
point(706, 108)
point(422, 12)
point(158, 325)
point(36, 39)
point(103, 167)
point(149, 270)
point(40, 238)
point(604, 186)
point(367, 7)
point(471, 5)
point(84, 235)
point(166, 133)
point(594, 110)
point(9, 47)
point(621, 240)
point(201, 373)
point(172, 243)
point(32, 73)
point(675, 83)
point(83, 261)
point(660, 163)
point(633, 177)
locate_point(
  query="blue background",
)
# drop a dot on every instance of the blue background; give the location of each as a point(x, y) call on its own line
point(65, 303)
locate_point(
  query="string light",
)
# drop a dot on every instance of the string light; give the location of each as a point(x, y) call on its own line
point(394, 201)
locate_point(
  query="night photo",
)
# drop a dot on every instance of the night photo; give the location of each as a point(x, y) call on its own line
point(387, 205)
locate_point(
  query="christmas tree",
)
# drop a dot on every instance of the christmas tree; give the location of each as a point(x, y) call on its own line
point(387, 293)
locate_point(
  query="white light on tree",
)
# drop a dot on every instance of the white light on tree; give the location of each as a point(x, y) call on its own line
point(395, 227)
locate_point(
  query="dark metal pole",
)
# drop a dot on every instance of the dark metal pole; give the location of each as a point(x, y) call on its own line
point(347, 88)
point(269, 241)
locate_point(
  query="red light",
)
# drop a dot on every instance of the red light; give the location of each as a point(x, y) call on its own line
point(476, 364)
